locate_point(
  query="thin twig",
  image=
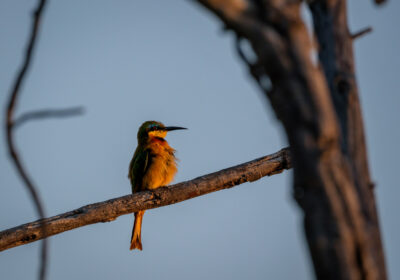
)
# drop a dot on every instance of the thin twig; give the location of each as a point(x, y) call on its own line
point(379, 2)
point(9, 130)
point(252, 66)
point(109, 210)
point(361, 33)
point(241, 52)
point(48, 113)
point(255, 70)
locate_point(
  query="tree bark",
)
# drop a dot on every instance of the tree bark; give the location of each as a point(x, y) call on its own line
point(337, 59)
point(320, 112)
point(109, 210)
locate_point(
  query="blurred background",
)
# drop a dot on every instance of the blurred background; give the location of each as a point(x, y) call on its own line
point(131, 61)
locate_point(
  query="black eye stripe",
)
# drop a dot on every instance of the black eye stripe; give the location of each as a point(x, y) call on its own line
point(153, 128)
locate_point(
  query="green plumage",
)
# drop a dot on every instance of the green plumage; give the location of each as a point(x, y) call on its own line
point(138, 167)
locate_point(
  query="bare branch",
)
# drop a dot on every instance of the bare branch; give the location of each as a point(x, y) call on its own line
point(48, 113)
point(109, 210)
point(9, 130)
point(361, 33)
point(379, 2)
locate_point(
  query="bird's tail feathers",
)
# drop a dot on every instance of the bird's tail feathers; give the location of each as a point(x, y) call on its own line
point(136, 242)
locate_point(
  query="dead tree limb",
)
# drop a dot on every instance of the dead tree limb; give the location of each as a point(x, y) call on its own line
point(47, 114)
point(10, 125)
point(325, 131)
point(109, 210)
point(337, 59)
point(361, 32)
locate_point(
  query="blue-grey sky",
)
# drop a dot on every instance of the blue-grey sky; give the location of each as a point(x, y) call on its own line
point(131, 61)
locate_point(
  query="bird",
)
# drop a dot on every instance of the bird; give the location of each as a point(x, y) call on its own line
point(153, 165)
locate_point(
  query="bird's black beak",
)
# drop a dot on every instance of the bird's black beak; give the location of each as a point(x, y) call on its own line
point(170, 128)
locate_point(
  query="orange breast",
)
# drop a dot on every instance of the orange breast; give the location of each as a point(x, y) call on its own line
point(162, 168)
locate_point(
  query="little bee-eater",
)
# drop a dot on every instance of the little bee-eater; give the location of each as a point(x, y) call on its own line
point(153, 165)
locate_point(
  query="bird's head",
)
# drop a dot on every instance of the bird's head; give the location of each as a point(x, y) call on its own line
point(154, 129)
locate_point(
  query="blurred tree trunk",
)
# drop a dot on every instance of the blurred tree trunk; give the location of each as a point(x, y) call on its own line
point(319, 107)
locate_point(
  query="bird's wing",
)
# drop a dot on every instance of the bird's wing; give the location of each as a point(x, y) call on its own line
point(138, 167)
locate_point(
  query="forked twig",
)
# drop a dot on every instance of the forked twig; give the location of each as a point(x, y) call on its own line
point(10, 125)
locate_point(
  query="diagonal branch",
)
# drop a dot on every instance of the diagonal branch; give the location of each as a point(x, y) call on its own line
point(361, 33)
point(109, 210)
point(47, 113)
point(9, 129)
